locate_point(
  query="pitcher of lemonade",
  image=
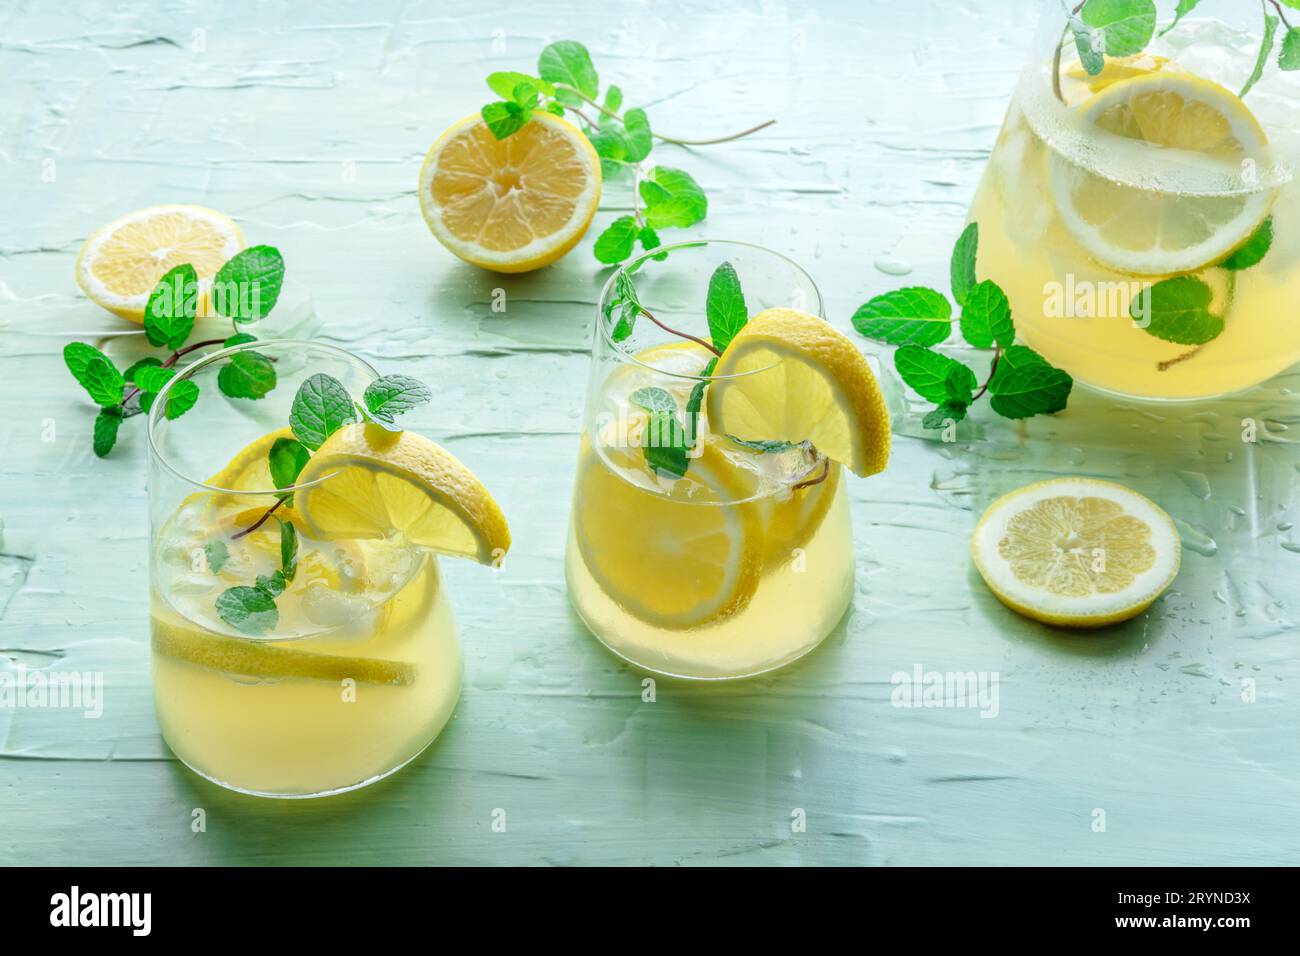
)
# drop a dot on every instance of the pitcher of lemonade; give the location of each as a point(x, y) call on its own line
point(1139, 207)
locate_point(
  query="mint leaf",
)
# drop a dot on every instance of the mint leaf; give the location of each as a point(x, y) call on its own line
point(286, 460)
point(180, 399)
point(1265, 48)
point(946, 412)
point(666, 444)
point(695, 401)
point(504, 83)
point(628, 305)
point(78, 355)
point(650, 240)
point(986, 316)
point(1253, 251)
point(1289, 58)
point(612, 147)
point(1127, 25)
point(766, 447)
point(239, 338)
point(554, 108)
point(639, 139)
point(251, 610)
point(568, 62)
point(153, 378)
point(1091, 45)
point(391, 395)
point(672, 198)
point(504, 118)
point(320, 408)
point(1184, 7)
point(217, 554)
point(247, 287)
point(927, 372)
point(959, 384)
point(725, 306)
point(617, 241)
point(273, 583)
point(613, 103)
point(105, 437)
point(247, 375)
point(102, 381)
point(288, 550)
point(1031, 390)
point(133, 370)
point(1179, 310)
point(1015, 357)
point(962, 268)
point(914, 315)
point(173, 303)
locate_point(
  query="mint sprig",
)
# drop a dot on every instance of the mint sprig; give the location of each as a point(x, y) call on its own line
point(244, 290)
point(1020, 382)
point(567, 82)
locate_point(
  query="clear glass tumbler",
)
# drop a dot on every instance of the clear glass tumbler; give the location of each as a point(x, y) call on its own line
point(359, 668)
point(734, 558)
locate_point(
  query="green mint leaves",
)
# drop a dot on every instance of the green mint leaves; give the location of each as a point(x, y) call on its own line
point(321, 407)
point(252, 610)
point(244, 290)
point(1253, 251)
point(286, 459)
point(666, 446)
point(1021, 383)
point(567, 82)
point(1120, 28)
point(725, 306)
point(394, 395)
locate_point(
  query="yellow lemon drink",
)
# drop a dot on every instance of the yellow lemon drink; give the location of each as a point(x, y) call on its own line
point(305, 645)
point(710, 534)
point(1142, 218)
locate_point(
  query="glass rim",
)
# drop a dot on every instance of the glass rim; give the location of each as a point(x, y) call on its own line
point(628, 268)
point(156, 411)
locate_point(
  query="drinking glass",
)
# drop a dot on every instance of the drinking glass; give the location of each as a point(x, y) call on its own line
point(359, 670)
point(1139, 207)
point(741, 564)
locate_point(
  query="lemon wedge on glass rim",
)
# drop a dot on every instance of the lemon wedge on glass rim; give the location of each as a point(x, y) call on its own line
point(1076, 552)
point(1183, 125)
point(510, 205)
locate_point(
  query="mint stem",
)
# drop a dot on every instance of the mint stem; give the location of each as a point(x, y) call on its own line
point(1281, 15)
point(259, 522)
point(171, 361)
point(660, 136)
point(826, 471)
point(993, 369)
point(671, 331)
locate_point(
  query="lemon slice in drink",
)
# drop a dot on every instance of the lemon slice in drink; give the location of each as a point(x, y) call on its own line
point(1209, 132)
point(1077, 84)
point(791, 376)
point(1076, 552)
point(693, 559)
point(373, 483)
point(120, 264)
point(515, 204)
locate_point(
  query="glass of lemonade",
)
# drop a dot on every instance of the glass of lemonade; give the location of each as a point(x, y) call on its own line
point(745, 562)
point(1139, 207)
point(358, 667)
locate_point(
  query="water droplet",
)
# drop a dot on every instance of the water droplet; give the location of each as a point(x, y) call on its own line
point(892, 266)
point(1197, 539)
point(1196, 483)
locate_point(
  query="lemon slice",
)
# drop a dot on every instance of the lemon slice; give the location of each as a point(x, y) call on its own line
point(373, 483)
point(1077, 552)
point(515, 204)
point(797, 378)
point(792, 522)
point(1208, 134)
point(1077, 84)
point(120, 264)
point(678, 560)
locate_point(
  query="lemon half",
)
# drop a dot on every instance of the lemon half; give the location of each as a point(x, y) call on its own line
point(120, 264)
point(1076, 552)
point(515, 204)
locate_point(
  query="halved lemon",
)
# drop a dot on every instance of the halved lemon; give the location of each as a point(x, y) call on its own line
point(791, 376)
point(1076, 552)
point(515, 204)
point(120, 264)
point(374, 483)
point(1188, 127)
point(678, 560)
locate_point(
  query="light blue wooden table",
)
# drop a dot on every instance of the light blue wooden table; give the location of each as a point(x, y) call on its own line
point(1178, 732)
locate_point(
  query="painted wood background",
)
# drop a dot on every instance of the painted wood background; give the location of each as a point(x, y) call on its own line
point(308, 123)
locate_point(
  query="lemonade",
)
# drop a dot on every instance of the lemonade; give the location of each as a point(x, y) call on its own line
point(361, 674)
point(1101, 187)
point(302, 641)
point(735, 557)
